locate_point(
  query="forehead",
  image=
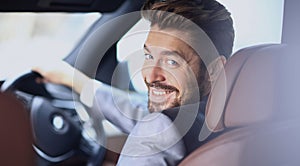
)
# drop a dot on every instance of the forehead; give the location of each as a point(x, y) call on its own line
point(168, 39)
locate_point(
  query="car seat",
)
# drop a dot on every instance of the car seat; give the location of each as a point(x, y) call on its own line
point(255, 104)
point(16, 136)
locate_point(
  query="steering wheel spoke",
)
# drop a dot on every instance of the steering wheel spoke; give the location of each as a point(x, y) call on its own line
point(25, 98)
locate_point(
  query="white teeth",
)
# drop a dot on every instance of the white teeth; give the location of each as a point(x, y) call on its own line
point(159, 92)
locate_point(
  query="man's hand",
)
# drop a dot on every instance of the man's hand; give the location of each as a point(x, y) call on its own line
point(62, 73)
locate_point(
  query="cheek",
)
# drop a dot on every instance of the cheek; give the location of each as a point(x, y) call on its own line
point(176, 79)
point(182, 83)
point(145, 71)
point(187, 82)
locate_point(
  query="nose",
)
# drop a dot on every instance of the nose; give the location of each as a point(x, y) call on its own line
point(155, 74)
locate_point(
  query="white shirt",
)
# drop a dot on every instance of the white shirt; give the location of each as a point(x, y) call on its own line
point(152, 140)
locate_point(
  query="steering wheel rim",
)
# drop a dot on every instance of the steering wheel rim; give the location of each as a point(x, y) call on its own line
point(58, 118)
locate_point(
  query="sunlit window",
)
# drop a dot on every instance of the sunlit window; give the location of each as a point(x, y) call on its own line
point(255, 21)
point(30, 38)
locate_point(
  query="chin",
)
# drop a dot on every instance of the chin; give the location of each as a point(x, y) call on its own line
point(158, 107)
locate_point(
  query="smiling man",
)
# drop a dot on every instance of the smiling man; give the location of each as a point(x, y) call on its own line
point(184, 53)
point(174, 55)
point(168, 62)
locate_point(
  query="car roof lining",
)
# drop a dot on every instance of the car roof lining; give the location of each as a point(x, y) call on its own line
point(60, 5)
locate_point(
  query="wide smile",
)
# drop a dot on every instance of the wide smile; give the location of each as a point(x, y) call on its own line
point(158, 95)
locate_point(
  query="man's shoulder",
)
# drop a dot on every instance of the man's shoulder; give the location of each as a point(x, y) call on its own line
point(190, 111)
point(152, 123)
point(189, 120)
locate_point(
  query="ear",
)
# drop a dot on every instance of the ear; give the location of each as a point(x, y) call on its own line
point(215, 67)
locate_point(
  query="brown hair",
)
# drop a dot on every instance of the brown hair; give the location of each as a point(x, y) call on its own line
point(212, 17)
point(209, 15)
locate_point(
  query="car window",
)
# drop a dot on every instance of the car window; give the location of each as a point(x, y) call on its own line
point(256, 21)
point(30, 38)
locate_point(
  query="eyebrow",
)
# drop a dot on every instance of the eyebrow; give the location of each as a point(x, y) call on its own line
point(146, 48)
point(166, 52)
point(171, 53)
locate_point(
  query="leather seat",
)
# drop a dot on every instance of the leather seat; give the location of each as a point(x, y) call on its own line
point(255, 104)
point(16, 136)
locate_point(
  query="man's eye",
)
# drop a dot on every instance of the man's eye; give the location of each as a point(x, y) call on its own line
point(172, 62)
point(148, 56)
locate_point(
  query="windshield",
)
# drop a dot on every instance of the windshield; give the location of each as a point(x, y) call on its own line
point(30, 38)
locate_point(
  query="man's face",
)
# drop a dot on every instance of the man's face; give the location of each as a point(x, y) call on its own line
point(170, 70)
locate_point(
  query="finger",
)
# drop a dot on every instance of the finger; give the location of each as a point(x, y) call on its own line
point(39, 80)
point(35, 69)
point(38, 70)
point(46, 81)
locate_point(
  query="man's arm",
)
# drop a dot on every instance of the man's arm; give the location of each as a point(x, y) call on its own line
point(121, 108)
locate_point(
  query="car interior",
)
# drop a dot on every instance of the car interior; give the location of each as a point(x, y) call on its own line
point(256, 96)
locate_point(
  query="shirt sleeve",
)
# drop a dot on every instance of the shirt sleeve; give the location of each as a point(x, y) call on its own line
point(153, 141)
point(122, 108)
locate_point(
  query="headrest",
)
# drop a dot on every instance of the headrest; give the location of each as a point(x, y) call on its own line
point(258, 83)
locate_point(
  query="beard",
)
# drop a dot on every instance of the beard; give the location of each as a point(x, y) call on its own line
point(163, 105)
point(156, 107)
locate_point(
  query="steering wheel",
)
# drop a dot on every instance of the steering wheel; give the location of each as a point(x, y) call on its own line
point(62, 127)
